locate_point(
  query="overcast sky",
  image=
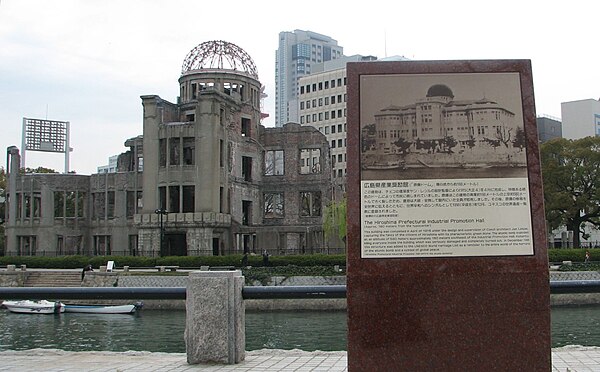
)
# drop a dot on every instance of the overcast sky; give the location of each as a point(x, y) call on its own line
point(88, 62)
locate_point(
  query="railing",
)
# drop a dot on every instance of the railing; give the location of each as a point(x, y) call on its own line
point(248, 292)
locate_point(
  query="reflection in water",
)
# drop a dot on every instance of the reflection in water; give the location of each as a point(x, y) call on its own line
point(162, 330)
point(576, 326)
point(93, 332)
point(307, 331)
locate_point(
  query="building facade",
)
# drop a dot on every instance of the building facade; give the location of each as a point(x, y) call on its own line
point(548, 128)
point(580, 118)
point(322, 105)
point(205, 178)
point(296, 56)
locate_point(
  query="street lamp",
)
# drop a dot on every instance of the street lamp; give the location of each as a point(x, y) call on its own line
point(161, 212)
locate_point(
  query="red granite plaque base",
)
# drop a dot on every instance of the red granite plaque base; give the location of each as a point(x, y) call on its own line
point(464, 313)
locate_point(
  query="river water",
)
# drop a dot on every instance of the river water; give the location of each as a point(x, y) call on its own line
point(162, 330)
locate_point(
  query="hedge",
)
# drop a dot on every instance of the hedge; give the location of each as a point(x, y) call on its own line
point(77, 262)
point(572, 254)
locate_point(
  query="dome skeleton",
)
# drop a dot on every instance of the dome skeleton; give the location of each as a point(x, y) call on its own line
point(221, 55)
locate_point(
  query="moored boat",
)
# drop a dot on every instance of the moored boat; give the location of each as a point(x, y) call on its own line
point(102, 309)
point(34, 307)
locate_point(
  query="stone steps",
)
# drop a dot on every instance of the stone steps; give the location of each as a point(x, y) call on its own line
point(53, 279)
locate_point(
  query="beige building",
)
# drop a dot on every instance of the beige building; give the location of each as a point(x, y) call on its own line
point(205, 178)
point(323, 106)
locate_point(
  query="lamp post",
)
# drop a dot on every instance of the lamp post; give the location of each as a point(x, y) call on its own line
point(161, 212)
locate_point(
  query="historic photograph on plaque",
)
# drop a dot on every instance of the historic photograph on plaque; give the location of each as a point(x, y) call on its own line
point(443, 166)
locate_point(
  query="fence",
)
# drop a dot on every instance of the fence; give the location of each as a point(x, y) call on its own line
point(248, 292)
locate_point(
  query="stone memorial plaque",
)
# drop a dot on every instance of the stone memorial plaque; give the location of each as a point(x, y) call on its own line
point(447, 255)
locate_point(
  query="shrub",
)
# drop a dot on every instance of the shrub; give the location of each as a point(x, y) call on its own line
point(77, 261)
point(572, 254)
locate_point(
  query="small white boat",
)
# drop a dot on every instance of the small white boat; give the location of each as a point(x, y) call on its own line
point(34, 307)
point(102, 309)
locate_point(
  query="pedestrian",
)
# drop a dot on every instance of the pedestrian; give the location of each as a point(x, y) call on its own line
point(245, 259)
point(587, 256)
point(87, 267)
point(265, 258)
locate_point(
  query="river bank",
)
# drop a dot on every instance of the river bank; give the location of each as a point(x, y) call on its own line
point(128, 279)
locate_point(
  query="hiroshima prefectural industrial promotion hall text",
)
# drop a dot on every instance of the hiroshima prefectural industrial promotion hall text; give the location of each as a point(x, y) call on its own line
point(204, 178)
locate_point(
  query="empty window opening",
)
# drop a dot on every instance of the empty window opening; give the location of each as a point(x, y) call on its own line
point(162, 152)
point(221, 153)
point(273, 205)
point(245, 127)
point(173, 199)
point(174, 152)
point(27, 245)
point(130, 204)
point(274, 163)
point(98, 205)
point(189, 151)
point(310, 203)
point(247, 168)
point(110, 205)
point(188, 199)
point(310, 160)
point(162, 198)
point(70, 197)
point(246, 212)
point(59, 201)
point(102, 245)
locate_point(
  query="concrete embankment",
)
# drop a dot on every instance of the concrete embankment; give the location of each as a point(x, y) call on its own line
point(120, 279)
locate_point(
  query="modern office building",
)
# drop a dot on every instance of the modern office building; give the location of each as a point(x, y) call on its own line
point(548, 128)
point(111, 167)
point(296, 56)
point(580, 118)
point(205, 178)
point(322, 104)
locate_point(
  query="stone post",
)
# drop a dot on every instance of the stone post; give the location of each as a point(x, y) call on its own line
point(215, 317)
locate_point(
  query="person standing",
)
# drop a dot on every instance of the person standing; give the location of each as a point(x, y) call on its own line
point(587, 256)
point(86, 268)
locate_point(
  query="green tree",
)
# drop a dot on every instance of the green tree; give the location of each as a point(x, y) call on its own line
point(334, 220)
point(571, 176)
point(38, 170)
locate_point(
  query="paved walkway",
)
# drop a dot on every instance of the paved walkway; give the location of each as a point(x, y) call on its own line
point(572, 359)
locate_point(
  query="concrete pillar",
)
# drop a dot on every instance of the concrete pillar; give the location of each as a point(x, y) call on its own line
point(215, 317)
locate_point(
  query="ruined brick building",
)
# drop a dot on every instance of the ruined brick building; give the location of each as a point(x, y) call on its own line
point(205, 178)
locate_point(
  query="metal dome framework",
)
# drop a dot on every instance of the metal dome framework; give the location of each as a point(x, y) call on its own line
point(221, 55)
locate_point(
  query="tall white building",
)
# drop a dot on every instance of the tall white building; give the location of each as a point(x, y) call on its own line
point(580, 118)
point(298, 53)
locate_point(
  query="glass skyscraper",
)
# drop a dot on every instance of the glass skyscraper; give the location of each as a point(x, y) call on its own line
point(298, 52)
